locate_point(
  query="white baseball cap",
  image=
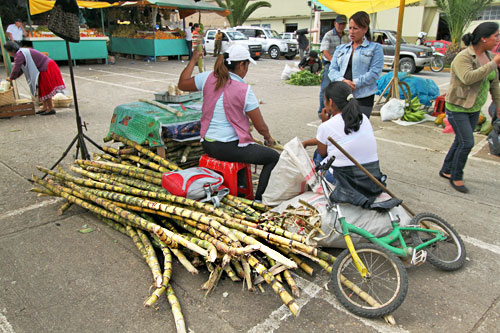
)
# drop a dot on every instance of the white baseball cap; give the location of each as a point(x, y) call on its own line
point(239, 52)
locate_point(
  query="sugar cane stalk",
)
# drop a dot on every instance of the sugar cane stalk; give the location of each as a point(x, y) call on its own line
point(146, 152)
point(147, 163)
point(176, 310)
point(64, 208)
point(152, 259)
point(291, 283)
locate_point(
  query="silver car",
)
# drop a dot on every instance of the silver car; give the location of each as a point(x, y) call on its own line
point(271, 41)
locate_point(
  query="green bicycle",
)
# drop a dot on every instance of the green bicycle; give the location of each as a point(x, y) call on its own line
point(375, 267)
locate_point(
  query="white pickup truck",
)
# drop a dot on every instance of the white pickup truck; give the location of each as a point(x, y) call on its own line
point(230, 37)
point(271, 41)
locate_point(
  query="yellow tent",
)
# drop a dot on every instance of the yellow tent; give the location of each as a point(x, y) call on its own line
point(349, 7)
point(41, 6)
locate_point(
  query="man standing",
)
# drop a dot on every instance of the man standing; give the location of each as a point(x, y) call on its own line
point(218, 43)
point(303, 41)
point(16, 31)
point(331, 40)
point(189, 39)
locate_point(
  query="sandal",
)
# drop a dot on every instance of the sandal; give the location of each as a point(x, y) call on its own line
point(48, 113)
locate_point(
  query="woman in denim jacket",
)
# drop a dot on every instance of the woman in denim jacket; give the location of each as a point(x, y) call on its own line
point(359, 63)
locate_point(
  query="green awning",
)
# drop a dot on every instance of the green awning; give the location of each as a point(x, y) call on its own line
point(187, 4)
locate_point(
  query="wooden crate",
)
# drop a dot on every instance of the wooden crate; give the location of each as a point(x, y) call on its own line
point(7, 97)
point(13, 110)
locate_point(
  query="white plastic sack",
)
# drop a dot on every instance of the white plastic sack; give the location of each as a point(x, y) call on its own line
point(291, 175)
point(378, 224)
point(392, 110)
point(288, 71)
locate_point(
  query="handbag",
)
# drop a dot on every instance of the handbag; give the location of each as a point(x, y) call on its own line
point(63, 20)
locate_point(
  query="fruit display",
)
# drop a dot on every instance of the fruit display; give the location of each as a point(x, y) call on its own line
point(413, 111)
point(133, 31)
point(44, 32)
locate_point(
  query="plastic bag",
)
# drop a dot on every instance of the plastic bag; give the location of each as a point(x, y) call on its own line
point(392, 110)
point(291, 175)
point(494, 138)
point(447, 127)
point(288, 71)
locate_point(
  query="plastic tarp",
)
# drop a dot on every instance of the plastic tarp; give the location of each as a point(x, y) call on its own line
point(426, 89)
point(41, 6)
point(349, 7)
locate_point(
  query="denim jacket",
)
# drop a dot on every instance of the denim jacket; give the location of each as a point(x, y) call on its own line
point(367, 64)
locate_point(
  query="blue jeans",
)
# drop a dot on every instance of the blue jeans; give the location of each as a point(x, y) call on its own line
point(317, 158)
point(325, 81)
point(463, 123)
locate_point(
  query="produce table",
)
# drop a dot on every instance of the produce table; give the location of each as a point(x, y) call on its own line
point(88, 48)
point(149, 47)
point(140, 121)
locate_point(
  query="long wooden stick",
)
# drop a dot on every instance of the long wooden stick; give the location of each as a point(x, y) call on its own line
point(375, 180)
point(162, 106)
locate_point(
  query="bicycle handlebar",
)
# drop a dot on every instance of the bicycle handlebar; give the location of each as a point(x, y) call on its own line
point(326, 166)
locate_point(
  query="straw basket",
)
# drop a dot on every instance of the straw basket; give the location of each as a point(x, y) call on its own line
point(63, 103)
point(7, 97)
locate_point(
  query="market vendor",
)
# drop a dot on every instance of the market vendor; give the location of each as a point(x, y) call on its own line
point(41, 72)
point(228, 106)
point(344, 122)
point(16, 32)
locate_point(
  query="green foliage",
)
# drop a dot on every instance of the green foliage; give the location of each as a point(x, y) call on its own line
point(240, 10)
point(459, 14)
point(305, 78)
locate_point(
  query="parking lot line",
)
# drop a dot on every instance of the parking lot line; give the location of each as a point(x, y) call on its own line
point(23, 210)
point(110, 84)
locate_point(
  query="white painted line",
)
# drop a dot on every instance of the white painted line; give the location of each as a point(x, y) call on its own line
point(112, 84)
point(314, 124)
point(444, 84)
point(131, 76)
point(483, 245)
point(5, 326)
point(28, 208)
point(149, 71)
point(479, 146)
point(309, 291)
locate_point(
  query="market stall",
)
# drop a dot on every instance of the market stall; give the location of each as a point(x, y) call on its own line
point(134, 40)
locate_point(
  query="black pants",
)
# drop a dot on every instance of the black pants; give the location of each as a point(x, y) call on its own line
point(252, 154)
point(190, 48)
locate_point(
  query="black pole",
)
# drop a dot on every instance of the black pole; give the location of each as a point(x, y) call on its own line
point(81, 139)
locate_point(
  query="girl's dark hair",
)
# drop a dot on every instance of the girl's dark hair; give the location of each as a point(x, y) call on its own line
point(484, 30)
point(362, 19)
point(338, 93)
point(222, 69)
point(11, 47)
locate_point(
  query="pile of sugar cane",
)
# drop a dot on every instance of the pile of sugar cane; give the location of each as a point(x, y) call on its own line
point(236, 238)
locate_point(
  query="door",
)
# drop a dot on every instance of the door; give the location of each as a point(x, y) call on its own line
point(209, 41)
point(225, 42)
point(383, 39)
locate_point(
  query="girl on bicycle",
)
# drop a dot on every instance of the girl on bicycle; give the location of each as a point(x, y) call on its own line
point(349, 127)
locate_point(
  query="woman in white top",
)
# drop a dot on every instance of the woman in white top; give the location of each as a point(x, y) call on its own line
point(350, 128)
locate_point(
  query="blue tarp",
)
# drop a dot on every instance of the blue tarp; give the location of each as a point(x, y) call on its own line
point(425, 89)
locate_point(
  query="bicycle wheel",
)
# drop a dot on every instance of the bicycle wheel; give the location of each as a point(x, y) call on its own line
point(437, 64)
point(449, 254)
point(387, 284)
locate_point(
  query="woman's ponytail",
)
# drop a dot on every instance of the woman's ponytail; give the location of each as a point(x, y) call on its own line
point(221, 71)
point(352, 116)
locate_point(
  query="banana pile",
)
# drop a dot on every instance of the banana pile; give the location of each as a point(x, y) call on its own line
point(413, 111)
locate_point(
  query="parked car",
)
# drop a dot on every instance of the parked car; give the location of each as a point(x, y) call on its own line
point(438, 45)
point(288, 35)
point(230, 37)
point(413, 58)
point(271, 41)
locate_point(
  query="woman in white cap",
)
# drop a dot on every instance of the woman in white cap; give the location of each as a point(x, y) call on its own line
point(228, 106)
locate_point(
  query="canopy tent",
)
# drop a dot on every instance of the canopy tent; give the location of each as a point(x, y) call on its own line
point(185, 7)
point(349, 7)
point(41, 6)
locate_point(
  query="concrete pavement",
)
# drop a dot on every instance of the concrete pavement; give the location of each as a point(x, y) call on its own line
point(53, 278)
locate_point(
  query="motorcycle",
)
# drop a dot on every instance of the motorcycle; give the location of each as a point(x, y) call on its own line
point(437, 62)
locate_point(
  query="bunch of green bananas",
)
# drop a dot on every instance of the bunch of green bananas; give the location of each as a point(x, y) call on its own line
point(413, 111)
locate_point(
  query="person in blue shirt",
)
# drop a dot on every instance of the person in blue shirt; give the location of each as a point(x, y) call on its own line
point(359, 63)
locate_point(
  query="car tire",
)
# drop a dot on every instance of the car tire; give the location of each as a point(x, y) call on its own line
point(407, 65)
point(290, 57)
point(418, 69)
point(274, 52)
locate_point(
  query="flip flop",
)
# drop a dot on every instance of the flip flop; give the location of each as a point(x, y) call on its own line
point(48, 113)
point(441, 174)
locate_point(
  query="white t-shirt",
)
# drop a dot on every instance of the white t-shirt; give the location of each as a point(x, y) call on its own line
point(361, 144)
point(189, 34)
point(17, 33)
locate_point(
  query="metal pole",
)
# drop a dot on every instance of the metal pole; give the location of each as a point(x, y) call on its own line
point(310, 23)
point(29, 17)
point(395, 85)
point(102, 22)
point(81, 139)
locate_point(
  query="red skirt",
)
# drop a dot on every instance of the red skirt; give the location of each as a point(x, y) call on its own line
point(50, 81)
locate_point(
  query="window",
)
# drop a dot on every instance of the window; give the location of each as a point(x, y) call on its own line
point(291, 27)
point(211, 35)
point(438, 45)
point(490, 13)
point(268, 26)
point(248, 32)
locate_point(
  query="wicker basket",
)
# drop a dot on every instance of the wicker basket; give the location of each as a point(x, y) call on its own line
point(7, 97)
point(63, 103)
